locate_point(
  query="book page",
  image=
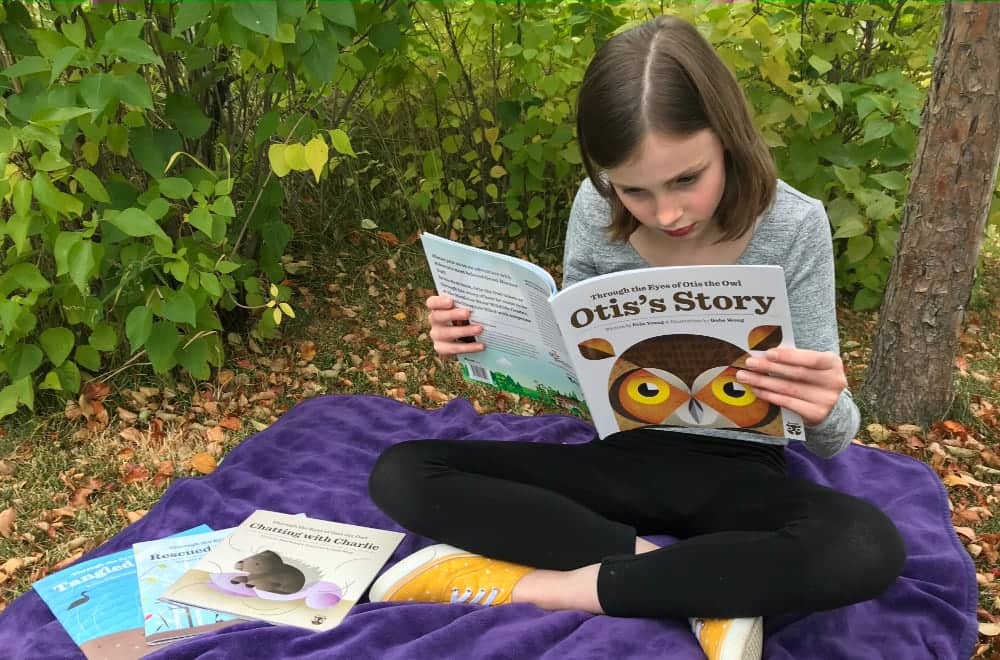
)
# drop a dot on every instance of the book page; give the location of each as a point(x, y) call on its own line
point(509, 298)
point(661, 347)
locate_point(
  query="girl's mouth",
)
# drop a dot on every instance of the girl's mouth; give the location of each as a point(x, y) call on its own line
point(684, 231)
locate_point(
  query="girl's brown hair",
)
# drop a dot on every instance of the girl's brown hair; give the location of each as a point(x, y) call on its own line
point(663, 76)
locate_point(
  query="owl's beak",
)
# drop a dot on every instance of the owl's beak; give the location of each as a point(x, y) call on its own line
point(696, 410)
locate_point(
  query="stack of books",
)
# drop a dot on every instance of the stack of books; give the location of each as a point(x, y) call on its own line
point(275, 567)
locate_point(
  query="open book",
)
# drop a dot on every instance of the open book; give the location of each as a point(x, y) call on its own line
point(649, 347)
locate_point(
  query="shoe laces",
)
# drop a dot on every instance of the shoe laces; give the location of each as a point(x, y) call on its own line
point(466, 596)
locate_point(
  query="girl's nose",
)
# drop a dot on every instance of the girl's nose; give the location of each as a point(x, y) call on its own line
point(668, 214)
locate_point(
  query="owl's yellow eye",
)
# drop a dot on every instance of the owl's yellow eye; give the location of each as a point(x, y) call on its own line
point(728, 390)
point(644, 387)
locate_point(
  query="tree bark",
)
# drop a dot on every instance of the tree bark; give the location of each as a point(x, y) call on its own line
point(951, 183)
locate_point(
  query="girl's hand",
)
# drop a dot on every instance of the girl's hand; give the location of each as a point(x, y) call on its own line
point(806, 382)
point(450, 329)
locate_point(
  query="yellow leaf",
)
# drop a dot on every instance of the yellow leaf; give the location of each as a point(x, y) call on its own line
point(317, 153)
point(276, 313)
point(273, 290)
point(400, 316)
point(497, 171)
point(492, 134)
point(989, 629)
point(203, 462)
point(91, 153)
point(276, 156)
point(286, 310)
point(295, 157)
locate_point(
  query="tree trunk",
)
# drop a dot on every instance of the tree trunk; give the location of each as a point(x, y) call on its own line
point(952, 180)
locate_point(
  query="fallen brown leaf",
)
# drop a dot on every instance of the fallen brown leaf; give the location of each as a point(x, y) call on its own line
point(66, 562)
point(79, 498)
point(7, 522)
point(232, 423)
point(203, 462)
point(12, 565)
point(134, 516)
point(215, 434)
point(6, 469)
point(307, 350)
point(134, 473)
point(989, 629)
point(131, 434)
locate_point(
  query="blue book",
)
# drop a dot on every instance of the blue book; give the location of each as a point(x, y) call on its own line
point(97, 602)
point(159, 564)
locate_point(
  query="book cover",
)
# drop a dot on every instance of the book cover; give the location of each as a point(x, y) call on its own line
point(159, 564)
point(525, 353)
point(287, 569)
point(97, 602)
point(661, 347)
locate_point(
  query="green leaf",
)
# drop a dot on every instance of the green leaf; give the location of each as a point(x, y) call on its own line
point(173, 187)
point(131, 49)
point(22, 360)
point(385, 36)
point(266, 127)
point(893, 180)
point(60, 61)
point(51, 382)
point(88, 357)
point(17, 228)
point(56, 117)
point(260, 16)
point(92, 185)
point(194, 358)
point(117, 140)
point(851, 227)
point(223, 206)
point(339, 12)
point(57, 343)
point(341, 142)
point(24, 276)
point(69, 376)
point(180, 308)
point(201, 219)
point(859, 247)
point(877, 128)
point(162, 345)
point(8, 401)
point(138, 326)
point(210, 283)
point(64, 242)
point(26, 66)
point(134, 90)
point(851, 178)
point(187, 116)
point(81, 261)
point(818, 63)
point(136, 223)
point(103, 338)
point(52, 199)
point(190, 14)
point(867, 299)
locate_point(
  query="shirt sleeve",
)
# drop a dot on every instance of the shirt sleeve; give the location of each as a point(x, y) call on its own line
point(809, 275)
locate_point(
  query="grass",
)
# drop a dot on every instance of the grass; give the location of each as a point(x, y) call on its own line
point(360, 328)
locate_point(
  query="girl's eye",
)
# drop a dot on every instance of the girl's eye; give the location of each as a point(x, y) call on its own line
point(687, 180)
point(633, 192)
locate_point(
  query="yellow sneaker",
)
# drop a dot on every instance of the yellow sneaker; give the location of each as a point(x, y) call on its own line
point(730, 639)
point(444, 574)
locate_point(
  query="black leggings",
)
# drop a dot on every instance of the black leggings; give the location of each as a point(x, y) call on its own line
point(753, 541)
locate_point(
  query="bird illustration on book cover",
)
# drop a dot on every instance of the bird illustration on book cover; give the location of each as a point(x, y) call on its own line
point(687, 380)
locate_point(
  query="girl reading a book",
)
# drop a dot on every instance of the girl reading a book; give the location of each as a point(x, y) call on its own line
point(677, 175)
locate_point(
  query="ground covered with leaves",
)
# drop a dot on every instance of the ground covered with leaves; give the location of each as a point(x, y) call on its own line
point(72, 480)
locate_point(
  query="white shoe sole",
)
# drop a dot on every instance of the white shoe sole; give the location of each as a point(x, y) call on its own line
point(408, 565)
point(745, 640)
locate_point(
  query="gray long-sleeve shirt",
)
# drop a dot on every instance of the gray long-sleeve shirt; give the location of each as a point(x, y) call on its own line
point(793, 233)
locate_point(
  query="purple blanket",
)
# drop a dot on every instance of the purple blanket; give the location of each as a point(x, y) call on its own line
point(316, 460)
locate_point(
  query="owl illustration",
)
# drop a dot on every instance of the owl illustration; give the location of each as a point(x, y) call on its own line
point(687, 380)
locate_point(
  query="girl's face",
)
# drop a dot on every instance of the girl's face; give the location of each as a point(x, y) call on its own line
point(673, 184)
